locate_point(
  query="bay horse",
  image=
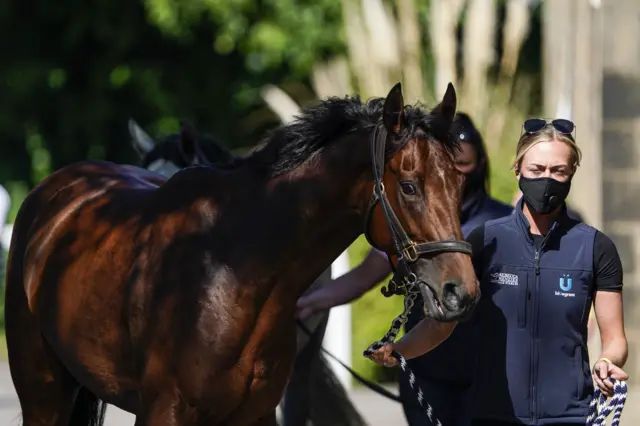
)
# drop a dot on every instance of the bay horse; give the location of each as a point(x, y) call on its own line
point(313, 392)
point(176, 302)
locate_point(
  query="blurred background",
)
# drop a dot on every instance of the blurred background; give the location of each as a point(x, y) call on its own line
point(74, 72)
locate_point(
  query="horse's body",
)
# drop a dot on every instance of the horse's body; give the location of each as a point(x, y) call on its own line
point(313, 392)
point(176, 302)
point(123, 337)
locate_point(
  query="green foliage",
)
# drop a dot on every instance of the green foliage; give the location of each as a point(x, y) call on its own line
point(503, 181)
point(72, 79)
point(269, 34)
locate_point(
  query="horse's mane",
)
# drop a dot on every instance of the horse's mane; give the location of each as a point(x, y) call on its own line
point(288, 146)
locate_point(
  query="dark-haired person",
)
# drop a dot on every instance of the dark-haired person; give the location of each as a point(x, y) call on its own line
point(539, 271)
point(444, 374)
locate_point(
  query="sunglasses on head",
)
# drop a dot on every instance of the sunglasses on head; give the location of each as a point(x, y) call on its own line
point(534, 125)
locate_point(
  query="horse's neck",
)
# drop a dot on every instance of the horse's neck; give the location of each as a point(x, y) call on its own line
point(329, 214)
point(287, 230)
point(320, 245)
point(305, 221)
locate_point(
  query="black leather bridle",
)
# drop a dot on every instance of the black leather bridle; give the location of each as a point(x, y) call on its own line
point(406, 249)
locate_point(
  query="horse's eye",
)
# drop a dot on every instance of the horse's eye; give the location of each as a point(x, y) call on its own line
point(408, 187)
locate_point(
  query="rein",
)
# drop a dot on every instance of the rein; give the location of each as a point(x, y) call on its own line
point(600, 408)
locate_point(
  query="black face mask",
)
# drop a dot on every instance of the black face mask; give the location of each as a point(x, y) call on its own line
point(544, 195)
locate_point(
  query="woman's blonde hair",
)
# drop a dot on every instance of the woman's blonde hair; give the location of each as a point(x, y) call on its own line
point(547, 134)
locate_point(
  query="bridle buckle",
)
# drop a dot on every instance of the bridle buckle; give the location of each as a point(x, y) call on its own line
point(410, 252)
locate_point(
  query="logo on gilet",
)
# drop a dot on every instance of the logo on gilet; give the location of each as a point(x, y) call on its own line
point(504, 278)
point(565, 283)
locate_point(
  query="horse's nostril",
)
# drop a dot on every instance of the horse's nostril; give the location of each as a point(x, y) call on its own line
point(452, 295)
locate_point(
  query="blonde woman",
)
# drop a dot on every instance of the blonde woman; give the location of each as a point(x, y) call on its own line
point(540, 270)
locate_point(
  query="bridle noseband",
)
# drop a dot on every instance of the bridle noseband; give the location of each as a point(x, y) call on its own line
point(406, 249)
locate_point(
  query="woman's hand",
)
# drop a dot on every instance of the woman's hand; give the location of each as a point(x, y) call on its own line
point(383, 356)
point(602, 370)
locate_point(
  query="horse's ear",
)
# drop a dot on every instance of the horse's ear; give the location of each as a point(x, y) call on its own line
point(446, 109)
point(393, 115)
point(188, 143)
point(141, 141)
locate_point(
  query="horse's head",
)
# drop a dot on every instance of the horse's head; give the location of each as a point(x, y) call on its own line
point(170, 154)
point(414, 215)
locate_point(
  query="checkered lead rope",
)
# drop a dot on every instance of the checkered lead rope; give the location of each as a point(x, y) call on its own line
point(396, 325)
point(600, 407)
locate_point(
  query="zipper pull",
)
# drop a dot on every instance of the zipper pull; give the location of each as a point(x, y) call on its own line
point(537, 260)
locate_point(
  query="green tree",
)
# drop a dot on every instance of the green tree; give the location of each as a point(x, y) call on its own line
point(268, 33)
point(75, 71)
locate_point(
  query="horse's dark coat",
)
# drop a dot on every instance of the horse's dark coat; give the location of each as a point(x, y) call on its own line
point(175, 300)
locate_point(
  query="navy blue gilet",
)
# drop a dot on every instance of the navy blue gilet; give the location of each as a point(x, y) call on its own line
point(532, 361)
point(450, 360)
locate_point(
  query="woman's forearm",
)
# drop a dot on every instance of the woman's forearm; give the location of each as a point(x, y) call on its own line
point(609, 314)
point(373, 269)
point(616, 351)
point(424, 337)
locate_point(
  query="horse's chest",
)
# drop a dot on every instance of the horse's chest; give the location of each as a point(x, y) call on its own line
point(266, 382)
point(267, 360)
point(245, 353)
point(239, 390)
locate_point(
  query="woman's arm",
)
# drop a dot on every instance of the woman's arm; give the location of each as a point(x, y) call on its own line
point(608, 310)
point(609, 314)
point(424, 337)
point(428, 333)
point(346, 288)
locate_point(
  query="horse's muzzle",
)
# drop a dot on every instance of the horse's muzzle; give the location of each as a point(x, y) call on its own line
point(453, 303)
